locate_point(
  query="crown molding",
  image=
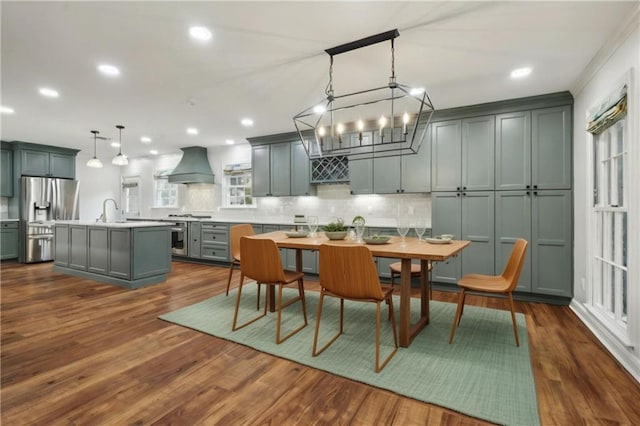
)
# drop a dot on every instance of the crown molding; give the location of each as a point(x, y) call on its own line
point(631, 24)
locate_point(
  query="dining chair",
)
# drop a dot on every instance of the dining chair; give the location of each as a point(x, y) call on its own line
point(396, 268)
point(235, 233)
point(261, 262)
point(494, 284)
point(348, 272)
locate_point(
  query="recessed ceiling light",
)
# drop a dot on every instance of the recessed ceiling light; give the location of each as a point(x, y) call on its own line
point(229, 141)
point(145, 139)
point(247, 122)
point(153, 152)
point(521, 72)
point(115, 144)
point(200, 33)
point(109, 70)
point(192, 131)
point(49, 93)
point(6, 110)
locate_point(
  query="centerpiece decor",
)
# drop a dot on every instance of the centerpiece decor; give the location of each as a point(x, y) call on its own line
point(335, 230)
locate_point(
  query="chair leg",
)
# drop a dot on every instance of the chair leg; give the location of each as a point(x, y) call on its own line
point(317, 351)
point(464, 300)
point(388, 358)
point(513, 319)
point(279, 308)
point(233, 262)
point(456, 320)
point(303, 299)
point(234, 326)
point(258, 298)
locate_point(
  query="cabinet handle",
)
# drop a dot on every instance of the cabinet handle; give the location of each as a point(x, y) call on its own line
point(464, 188)
point(528, 186)
point(535, 186)
point(464, 194)
point(535, 192)
point(402, 190)
point(351, 192)
point(528, 192)
point(458, 188)
point(457, 194)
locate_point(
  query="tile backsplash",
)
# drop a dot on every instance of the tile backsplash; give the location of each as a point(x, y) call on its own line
point(335, 201)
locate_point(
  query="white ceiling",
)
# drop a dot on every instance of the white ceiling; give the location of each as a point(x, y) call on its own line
point(267, 61)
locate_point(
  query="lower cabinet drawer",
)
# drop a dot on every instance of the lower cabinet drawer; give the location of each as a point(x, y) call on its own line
point(215, 252)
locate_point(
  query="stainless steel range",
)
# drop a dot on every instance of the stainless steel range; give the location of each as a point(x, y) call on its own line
point(180, 239)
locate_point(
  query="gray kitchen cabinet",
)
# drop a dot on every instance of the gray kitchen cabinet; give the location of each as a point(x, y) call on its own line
point(215, 241)
point(533, 149)
point(9, 240)
point(6, 172)
point(271, 169)
point(463, 154)
point(43, 163)
point(309, 261)
point(544, 219)
point(416, 169)
point(119, 262)
point(195, 245)
point(361, 176)
point(260, 171)
point(468, 216)
point(98, 252)
point(78, 247)
point(60, 245)
point(257, 228)
point(387, 175)
point(300, 171)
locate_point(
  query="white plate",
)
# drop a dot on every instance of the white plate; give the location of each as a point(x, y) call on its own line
point(297, 234)
point(438, 240)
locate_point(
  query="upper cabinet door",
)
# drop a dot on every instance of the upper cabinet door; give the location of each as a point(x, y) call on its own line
point(446, 152)
point(260, 170)
point(300, 171)
point(35, 163)
point(386, 175)
point(62, 165)
point(416, 168)
point(513, 150)
point(551, 148)
point(281, 169)
point(478, 145)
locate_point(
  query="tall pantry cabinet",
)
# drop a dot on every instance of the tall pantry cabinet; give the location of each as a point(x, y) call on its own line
point(500, 172)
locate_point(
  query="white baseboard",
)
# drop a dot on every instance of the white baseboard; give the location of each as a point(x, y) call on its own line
point(623, 354)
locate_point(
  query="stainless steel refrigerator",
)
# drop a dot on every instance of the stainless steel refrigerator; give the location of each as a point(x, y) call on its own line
point(44, 200)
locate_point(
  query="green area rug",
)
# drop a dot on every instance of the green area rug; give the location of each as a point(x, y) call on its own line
point(482, 374)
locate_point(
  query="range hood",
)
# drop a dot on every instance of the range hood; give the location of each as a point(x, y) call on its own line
point(194, 167)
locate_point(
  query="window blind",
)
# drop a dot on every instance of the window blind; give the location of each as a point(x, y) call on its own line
point(610, 110)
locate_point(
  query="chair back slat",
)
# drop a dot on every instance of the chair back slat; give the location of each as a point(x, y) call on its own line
point(235, 233)
point(349, 271)
point(513, 267)
point(261, 260)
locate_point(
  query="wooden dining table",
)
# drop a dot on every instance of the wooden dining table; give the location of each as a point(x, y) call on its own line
point(412, 248)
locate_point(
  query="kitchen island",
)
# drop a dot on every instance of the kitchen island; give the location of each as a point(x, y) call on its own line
point(127, 254)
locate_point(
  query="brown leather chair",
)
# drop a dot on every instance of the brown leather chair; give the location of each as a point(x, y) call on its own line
point(496, 284)
point(348, 272)
point(261, 262)
point(235, 233)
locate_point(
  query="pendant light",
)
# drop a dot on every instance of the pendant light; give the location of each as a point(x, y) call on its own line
point(94, 162)
point(120, 159)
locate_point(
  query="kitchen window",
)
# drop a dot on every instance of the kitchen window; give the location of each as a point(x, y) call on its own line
point(130, 196)
point(609, 243)
point(166, 194)
point(237, 186)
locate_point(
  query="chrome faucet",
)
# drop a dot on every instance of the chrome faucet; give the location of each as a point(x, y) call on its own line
point(103, 216)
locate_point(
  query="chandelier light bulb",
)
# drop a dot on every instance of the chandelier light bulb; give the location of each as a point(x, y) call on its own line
point(405, 121)
point(120, 159)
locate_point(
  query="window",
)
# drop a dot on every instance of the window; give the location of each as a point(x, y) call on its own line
point(130, 196)
point(237, 185)
point(609, 278)
point(166, 194)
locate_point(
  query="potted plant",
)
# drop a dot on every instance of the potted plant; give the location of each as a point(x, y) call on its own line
point(335, 230)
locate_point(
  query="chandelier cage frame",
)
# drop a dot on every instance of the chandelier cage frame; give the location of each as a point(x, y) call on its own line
point(352, 125)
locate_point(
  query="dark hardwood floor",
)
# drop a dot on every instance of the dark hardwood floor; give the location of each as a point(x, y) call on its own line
point(74, 351)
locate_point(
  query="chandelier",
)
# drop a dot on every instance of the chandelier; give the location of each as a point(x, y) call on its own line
point(384, 121)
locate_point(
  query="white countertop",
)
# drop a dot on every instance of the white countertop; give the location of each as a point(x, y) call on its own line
point(137, 224)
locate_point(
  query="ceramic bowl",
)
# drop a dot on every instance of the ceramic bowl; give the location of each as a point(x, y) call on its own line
point(337, 235)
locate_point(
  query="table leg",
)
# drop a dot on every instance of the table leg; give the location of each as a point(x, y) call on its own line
point(425, 289)
point(405, 303)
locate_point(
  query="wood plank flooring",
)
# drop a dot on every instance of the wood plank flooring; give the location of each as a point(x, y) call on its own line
point(74, 351)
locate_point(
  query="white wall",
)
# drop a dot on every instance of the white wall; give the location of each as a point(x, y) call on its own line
point(95, 186)
point(623, 55)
